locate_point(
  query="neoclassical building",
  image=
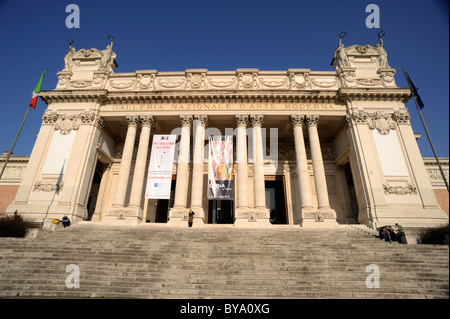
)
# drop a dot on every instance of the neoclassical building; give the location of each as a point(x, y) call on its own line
point(310, 148)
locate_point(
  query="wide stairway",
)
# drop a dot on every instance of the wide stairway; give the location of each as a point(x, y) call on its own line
point(219, 262)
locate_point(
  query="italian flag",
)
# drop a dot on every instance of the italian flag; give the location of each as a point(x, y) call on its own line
point(37, 89)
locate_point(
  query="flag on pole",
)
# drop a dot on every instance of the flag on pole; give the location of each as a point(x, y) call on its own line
point(414, 91)
point(37, 89)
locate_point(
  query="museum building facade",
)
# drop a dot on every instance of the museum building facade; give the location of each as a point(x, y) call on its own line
point(310, 148)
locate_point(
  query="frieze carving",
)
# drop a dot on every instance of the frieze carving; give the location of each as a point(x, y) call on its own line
point(400, 190)
point(145, 81)
point(13, 172)
point(121, 85)
point(274, 83)
point(222, 83)
point(299, 81)
point(48, 186)
point(324, 83)
point(348, 75)
point(80, 84)
point(195, 80)
point(171, 84)
point(251, 216)
point(248, 81)
point(318, 216)
point(368, 82)
point(435, 174)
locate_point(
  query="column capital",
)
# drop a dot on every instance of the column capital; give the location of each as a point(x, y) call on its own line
point(202, 119)
point(296, 120)
point(133, 120)
point(147, 120)
point(311, 120)
point(186, 120)
point(256, 119)
point(241, 119)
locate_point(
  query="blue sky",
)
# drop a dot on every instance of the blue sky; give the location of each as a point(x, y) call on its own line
point(221, 35)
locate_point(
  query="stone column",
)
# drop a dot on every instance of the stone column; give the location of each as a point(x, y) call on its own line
point(261, 213)
point(125, 164)
point(200, 122)
point(325, 216)
point(140, 165)
point(316, 156)
point(302, 164)
point(241, 160)
point(117, 212)
point(179, 213)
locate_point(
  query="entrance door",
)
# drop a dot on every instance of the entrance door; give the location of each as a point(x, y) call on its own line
point(352, 216)
point(276, 200)
point(95, 187)
point(162, 205)
point(220, 212)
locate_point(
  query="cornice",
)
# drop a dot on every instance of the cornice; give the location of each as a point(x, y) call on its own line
point(375, 94)
point(73, 96)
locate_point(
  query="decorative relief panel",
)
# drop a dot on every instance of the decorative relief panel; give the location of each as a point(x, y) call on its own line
point(382, 122)
point(400, 190)
point(65, 123)
point(49, 185)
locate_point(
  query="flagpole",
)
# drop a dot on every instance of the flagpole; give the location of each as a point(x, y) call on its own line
point(15, 141)
point(426, 130)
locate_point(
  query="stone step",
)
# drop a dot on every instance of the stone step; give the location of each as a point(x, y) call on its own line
point(156, 262)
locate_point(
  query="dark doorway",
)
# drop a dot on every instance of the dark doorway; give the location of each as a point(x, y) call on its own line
point(276, 200)
point(95, 187)
point(162, 205)
point(220, 212)
point(352, 216)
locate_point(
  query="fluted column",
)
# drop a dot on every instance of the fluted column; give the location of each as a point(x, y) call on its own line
point(199, 124)
point(317, 161)
point(302, 165)
point(241, 160)
point(141, 161)
point(125, 164)
point(258, 165)
point(178, 214)
point(183, 162)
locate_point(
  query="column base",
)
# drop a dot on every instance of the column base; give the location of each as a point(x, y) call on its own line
point(179, 217)
point(118, 215)
point(318, 218)
point(248, 217)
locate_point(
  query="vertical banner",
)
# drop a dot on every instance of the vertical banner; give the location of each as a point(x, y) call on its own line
point(220, 168)
point(159, 177)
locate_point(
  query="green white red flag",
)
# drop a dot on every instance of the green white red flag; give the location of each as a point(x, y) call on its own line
point(37, 89)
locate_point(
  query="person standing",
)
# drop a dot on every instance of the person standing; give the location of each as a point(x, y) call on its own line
point(191, 218)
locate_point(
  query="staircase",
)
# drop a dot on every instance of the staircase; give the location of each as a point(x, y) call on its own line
point(155, 261)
